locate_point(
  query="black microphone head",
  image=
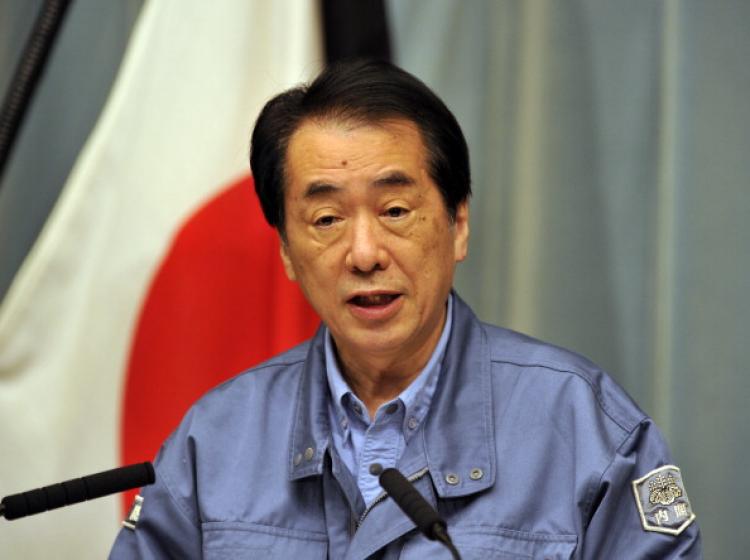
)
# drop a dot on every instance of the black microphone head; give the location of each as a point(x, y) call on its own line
point(119, 480)
point(412, 503)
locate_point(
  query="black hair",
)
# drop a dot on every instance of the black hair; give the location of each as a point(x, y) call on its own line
point(365, 91)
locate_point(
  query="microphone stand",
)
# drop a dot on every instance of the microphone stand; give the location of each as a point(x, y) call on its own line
point(416, 508)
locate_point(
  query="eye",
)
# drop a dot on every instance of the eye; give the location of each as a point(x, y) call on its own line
point(326, 221)
point(396, 212)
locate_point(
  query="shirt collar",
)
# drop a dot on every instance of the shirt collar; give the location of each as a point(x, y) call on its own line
point(458, 436)
point(415, 398)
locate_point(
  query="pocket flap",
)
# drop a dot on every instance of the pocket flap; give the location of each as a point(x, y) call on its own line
point(225, 540)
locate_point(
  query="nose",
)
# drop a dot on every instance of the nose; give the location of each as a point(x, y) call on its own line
point(367, 250)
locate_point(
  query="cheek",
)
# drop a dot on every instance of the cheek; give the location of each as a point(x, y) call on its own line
point(315, 268)
point(440, 239)
point(442, 250)
point(431, 260)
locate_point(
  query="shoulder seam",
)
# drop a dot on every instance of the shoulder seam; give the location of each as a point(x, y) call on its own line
point(274, 364)
point(592, 490)
point(597, 394)
point(259, 367)
point(237, 376)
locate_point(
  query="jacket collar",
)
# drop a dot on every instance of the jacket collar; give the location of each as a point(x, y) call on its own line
point(311, 431)
point(457, 442)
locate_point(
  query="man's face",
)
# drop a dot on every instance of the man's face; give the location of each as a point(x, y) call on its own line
point(369, 239)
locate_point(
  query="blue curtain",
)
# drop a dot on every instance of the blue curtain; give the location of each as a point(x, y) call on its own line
point(611, 212)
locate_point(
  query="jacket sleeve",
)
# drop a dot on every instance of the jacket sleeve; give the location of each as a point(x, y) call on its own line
point(616, 529)
point(168, 525)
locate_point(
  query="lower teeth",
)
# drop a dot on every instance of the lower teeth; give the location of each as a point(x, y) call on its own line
point(375, 300)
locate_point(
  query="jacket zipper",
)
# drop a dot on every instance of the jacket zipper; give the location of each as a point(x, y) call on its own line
point(383, 495)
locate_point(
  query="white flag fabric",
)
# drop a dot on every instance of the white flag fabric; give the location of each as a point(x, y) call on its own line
point(173, 134)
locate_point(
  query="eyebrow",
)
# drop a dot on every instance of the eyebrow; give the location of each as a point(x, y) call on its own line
point(394, 179)
point(317, 188)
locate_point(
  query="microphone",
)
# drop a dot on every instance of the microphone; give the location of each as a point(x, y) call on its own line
point(77, 490)
point(417, 508)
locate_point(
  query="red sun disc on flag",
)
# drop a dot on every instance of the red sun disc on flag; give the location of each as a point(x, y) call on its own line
point(219, 303)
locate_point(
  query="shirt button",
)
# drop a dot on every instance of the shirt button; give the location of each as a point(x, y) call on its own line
point(476, 474)
point(297, 459)
point(309, 452)
point(344, 423)
point(412, 423)
point(376, 469)
point(391, 408)
point(452, 479)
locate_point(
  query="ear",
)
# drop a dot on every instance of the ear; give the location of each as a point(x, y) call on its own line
point(287, 261)
point(461, 231)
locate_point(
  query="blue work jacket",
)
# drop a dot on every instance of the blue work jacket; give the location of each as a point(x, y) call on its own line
point(528, 451)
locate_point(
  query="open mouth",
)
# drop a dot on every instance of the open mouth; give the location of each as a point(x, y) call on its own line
point(374, 300)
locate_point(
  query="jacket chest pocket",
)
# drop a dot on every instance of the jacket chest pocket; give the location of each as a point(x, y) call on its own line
point(229, 540)
point(489, 543)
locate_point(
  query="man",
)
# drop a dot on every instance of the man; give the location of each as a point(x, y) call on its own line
point(525, 449)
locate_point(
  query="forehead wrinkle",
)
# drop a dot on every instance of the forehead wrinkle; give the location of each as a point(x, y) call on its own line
point(313, 160)
point(319, 189)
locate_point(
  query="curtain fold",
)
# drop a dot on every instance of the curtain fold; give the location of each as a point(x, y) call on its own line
point(611, 211)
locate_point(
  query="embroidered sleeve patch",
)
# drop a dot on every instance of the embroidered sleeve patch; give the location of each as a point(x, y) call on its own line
point(131, 520)
point(662, 501)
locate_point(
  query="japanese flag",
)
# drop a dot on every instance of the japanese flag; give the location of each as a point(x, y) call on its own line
point(155, 276)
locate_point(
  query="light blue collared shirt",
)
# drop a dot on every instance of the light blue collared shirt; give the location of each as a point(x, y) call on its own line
point(361, 441)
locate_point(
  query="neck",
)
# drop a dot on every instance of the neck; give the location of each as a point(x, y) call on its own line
point(379, 378)
point(377, 385)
